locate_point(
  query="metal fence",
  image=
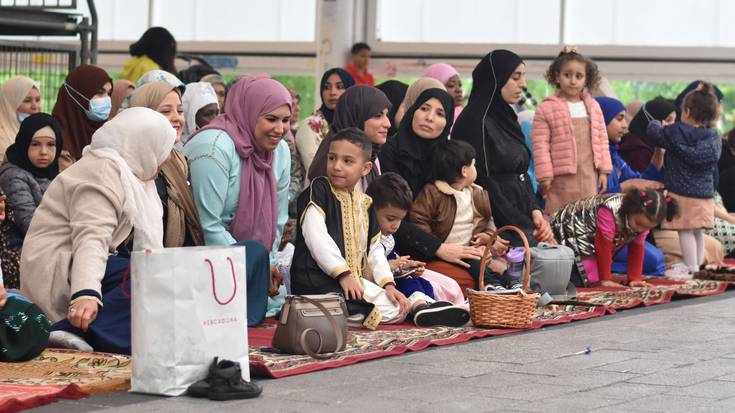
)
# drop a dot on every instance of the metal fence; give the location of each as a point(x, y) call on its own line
point(44, 4)
point(48, 64)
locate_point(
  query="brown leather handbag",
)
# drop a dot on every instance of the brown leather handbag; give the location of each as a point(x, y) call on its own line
point(313, 325)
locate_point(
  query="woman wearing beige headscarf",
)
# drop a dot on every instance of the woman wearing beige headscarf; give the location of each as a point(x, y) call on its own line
point(20, 97)
point(413, 92)
point(181, 218)
point(121, 89)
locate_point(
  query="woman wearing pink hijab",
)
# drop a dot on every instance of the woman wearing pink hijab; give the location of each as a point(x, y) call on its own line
point(231, 162)
point(449, 77)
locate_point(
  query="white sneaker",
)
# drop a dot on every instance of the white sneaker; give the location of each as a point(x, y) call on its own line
point(679, 271)
point(65, 339)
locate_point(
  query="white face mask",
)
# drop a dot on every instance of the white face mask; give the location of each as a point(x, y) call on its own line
point(22, 116)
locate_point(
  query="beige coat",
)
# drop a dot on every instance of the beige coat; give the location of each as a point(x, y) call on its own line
point(77, 225)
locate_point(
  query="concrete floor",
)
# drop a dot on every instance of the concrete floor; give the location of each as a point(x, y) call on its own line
point(678, 357)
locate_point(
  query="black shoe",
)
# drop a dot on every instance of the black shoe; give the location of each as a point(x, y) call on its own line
point(201, 388)
point(226, 383)
point(441, 313)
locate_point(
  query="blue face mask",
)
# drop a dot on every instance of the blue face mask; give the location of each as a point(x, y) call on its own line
point(99, 109)
point(22, 116)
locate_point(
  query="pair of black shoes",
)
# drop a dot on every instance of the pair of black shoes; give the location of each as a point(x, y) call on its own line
point(224, 382)
point(440, 313)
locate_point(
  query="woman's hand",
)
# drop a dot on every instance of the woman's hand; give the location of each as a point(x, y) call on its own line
point(351, 287)
point(602, 183)
point(454, 254)
point(83, 313)
point(276, 279)
point(543, 231)
point(397, 297)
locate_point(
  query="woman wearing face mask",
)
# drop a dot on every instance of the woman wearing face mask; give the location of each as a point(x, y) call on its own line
point(180, 217)
point(233, 177)
point(491, 126)
point(82, 106)
point(316, 127)
point(31, 163)
point(20, 97)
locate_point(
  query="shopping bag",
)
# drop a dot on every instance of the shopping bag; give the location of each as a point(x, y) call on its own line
point(188, 306)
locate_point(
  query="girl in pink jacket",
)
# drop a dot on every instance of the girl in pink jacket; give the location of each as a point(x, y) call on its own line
point(570, 144)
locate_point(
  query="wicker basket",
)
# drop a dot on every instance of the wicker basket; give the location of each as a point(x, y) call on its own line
point(503, 310)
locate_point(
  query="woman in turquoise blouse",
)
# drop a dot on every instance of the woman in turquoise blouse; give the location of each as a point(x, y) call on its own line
point(239, 166)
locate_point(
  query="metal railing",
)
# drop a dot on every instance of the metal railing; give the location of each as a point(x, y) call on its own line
point(40, 4)
point(32, 18)
point(48, 64)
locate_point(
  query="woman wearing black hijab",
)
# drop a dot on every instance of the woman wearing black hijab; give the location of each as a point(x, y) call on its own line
point(315, 128)
point(491, 126)
point(31, 163)
point(396, 91)
point(634, 147)
point(362, 107)
point(407, 153)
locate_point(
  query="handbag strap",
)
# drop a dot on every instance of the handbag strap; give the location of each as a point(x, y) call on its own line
point(336, 327)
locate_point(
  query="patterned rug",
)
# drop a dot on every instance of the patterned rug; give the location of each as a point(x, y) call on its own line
point(72, 375)
point(61, 374)
point(390, 340)
point(666, 289)
point(393, 340)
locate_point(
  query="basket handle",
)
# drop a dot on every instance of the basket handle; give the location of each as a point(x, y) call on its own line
point(488, 254)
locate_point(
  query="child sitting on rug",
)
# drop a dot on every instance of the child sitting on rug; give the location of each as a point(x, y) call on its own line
point(596, 228)
point(457, 211)
point(392, 199)
point(338, 246)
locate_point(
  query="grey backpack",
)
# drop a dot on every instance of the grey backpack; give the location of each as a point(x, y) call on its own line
point(551, 269)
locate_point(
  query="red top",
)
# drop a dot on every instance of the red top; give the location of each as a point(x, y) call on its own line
point(361, 80)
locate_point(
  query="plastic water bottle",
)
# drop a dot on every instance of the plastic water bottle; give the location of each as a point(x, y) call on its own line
point(516, 259)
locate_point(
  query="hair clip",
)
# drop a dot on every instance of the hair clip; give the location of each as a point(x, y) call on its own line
point(647, 202)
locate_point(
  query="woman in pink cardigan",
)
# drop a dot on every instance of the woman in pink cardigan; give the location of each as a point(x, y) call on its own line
point(570, 145)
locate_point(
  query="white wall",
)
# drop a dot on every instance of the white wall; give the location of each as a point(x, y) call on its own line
point(207, 20)
point(468, 21)
point(587, 22)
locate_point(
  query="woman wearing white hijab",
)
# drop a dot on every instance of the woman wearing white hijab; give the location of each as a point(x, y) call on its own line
point(20, 97)
point(67, 265)
point(200, 107)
